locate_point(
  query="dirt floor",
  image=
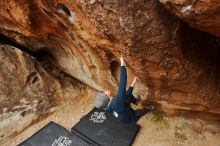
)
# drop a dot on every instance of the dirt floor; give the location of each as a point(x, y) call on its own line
point(156, 130)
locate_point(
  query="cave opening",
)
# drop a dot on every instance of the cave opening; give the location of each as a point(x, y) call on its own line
point(62, 7)
point(115, 69)
point(8, 41)
point(203, 51)
point(40, 54)
point(114, 65)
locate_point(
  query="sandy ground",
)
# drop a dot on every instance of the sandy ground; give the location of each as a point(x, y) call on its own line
point(156, 130)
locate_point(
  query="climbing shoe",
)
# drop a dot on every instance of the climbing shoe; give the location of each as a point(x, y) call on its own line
point(150, 107)
point(138, 98)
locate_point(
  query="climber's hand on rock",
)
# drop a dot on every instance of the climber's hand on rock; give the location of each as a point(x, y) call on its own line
point(135, 79)
point(122, 61)
point(134, 82)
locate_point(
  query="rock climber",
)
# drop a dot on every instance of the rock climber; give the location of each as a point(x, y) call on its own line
point(120, 104)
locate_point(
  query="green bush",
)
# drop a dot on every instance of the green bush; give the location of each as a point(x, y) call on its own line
point(159, 119)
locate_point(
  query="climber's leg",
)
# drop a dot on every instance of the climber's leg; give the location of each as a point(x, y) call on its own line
point(119, 99)
point(142, 112)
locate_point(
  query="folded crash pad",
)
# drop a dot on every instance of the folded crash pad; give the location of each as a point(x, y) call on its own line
point(102, 128)
point(54, 135)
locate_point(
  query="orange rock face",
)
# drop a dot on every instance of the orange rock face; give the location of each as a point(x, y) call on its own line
point(201, 14)
point(178, 66)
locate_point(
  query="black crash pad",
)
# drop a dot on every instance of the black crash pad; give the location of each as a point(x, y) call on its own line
point(102, 128)
point(54, 135)
point(97, 128)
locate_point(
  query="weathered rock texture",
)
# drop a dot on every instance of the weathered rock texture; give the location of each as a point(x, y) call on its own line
point(201, 14)
point(177, 65)
point(26, 90)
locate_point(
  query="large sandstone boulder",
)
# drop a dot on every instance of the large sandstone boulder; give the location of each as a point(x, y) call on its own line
point(201, 14)
point(177, 65)
point(26, 90)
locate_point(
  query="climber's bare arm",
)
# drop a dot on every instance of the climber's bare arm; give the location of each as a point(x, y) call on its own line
point(133, 82)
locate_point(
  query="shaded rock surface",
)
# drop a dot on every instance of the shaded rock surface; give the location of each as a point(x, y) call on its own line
point(177, 65)
point(201, 14)
point(26, 90)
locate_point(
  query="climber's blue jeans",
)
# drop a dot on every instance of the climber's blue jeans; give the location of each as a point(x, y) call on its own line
point(120, 97)
point(121, 102)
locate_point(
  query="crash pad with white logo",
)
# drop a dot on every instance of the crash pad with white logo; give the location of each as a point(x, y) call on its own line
point(54, 135)
point(103, 128)
point(97, 128)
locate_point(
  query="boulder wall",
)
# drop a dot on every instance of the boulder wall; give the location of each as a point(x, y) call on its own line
point(177, 65)
point(201, 14)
